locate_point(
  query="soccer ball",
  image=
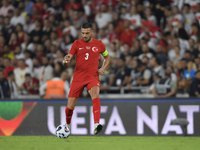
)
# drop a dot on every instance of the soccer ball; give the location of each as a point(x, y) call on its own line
point(62, 131)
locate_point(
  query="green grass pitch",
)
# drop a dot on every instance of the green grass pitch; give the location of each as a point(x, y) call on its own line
point(99, 143)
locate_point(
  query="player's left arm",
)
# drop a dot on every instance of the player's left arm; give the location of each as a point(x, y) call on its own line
point(105, 62)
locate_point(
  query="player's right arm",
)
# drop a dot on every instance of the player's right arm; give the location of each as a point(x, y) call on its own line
point(72, 52)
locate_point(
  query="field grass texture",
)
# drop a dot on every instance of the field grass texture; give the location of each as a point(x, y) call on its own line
point(99, 143)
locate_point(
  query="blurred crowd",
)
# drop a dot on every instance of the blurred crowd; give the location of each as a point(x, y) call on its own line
point(153, 44)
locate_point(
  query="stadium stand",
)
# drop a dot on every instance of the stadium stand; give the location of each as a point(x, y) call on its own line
point(144, 38)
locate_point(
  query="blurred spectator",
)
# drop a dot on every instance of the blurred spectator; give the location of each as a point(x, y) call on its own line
point(136, 50)
point(194, 89)
point(59, 56)
point(55, 88)
point(14, 41)
point(30, 85)
point(155, 78)
point(7, 52)
point(65, 77)
point(113, 51)
point(177, 17)
point(18, 53)
point(170, 72)
point(177, 56)
point(103, 38)
point(28, 6)
point(29, 25)
point(72, 5)
point(8, 66)
point(39, 5)
point(86, 7)
point(181, 67)
point(151, 18)
point(134, 18)
point(58, 67)
point(4, 86)
point(145, 78)
point(20, 72)
point(27, 44)
point(67, 43)
point(52, 53)
point(188, 75)
point(195, 32)
point(102, 18)
point(55, 39)
point(155, 64)
point(118, 24)
point(37, 33)
point(8, 28)
point(36, 67)
point(193, 50)
point(69, 29)
point(145, 52)
point(160, 54)
point(188, 18)
point(5, 8)
point(47, 29)
point(2, 43)
point(111, 35)
point(118, 76)
point(39, 52)
point(28, 59)
point(77, 19)
point(46, 71)
point(104, 80)
point(134, 73)
point(164, 87)
point(128, 35)
point(123, 12)
point(12, 86)
point(17, 18)
point(10, 13)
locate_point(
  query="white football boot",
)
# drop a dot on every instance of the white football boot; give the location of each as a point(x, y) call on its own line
point(69, 126)
point(97, 128)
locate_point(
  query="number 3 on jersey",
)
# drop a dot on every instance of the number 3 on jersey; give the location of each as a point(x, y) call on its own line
point(86, 56)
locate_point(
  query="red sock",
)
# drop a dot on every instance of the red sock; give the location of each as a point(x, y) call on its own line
point(96, 109)
point(69, 113)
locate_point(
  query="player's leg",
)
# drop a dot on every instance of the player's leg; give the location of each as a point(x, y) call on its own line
point(69, 110)
point(74, 93)
point(94, 93)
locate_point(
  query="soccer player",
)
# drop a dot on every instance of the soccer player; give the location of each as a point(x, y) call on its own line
point(87, 52)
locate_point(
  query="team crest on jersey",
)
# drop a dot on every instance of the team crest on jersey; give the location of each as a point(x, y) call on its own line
point(95, 49)
point(88, 47)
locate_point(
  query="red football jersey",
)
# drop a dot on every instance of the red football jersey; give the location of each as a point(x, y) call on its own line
point(87, 58)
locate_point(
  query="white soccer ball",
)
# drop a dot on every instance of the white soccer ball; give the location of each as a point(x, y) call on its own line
point(62, 131)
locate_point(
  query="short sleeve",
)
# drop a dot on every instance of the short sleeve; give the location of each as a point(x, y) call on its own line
point(103, 47)
point(73, 48)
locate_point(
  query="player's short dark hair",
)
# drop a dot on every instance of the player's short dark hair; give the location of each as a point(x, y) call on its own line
point(86, 25)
